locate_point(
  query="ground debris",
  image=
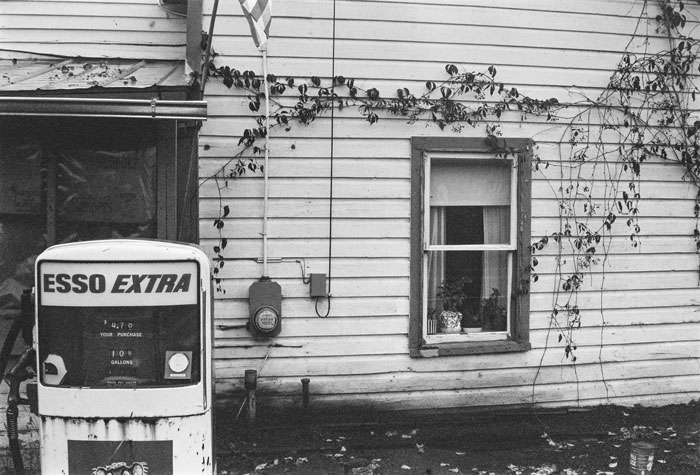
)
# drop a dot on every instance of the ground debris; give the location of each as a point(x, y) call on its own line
point(361, 466)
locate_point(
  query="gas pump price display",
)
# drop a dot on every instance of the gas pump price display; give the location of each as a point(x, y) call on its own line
point(126, 329)
point(118, 325)
point(121, 356)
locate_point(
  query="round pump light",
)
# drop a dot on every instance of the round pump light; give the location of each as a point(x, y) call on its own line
point(178, 363)
point(266, 319)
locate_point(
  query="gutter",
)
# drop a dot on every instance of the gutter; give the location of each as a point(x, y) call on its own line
point(96, 107)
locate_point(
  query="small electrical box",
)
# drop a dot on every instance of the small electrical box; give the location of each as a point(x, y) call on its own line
point(318, 285)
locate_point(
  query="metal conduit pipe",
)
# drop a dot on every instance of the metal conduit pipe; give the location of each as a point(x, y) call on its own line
point(104, 107)
point(23, 324)
point(14, 378)
point(251, 384)
point(305, 392)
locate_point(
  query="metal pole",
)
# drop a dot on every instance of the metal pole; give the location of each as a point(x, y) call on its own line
point(267, 158)
point(305, 392)
point(251, 383)
point(205, 72)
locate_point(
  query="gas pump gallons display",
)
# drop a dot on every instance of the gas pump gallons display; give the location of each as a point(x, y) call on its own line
point(124, 351)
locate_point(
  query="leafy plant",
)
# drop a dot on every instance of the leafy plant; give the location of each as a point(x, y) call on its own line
point(453, 294)
point(492, 313)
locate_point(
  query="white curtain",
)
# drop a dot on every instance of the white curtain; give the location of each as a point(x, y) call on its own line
point(495, 263)
point(436, 259)
point(459, 183)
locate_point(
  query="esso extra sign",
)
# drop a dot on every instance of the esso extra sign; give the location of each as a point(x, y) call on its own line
point(106, 284)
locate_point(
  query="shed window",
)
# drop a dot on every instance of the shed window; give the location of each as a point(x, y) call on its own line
point(469, 249)
point(77, 179)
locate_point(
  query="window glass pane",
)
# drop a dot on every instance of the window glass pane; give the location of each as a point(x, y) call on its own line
point(22, 238)
point(22, 211)
point(104, 173)
point(470, 182)
point(474, 283)
point(463, 225)
point(106, 182)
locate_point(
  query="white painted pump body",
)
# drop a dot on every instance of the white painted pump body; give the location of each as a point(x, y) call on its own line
point(142, 402)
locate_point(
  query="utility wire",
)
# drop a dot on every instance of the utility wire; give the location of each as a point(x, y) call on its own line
point(330, 199)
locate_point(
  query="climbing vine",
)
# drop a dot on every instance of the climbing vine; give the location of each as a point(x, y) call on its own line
point(643, 112)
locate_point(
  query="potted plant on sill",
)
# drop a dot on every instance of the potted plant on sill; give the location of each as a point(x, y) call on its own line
point(453, 295)
point(471, 322)
point(493, 315)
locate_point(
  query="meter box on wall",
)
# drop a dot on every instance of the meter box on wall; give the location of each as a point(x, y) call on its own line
point(124, 350)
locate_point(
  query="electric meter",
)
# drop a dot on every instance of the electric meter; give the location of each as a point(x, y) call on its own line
point(265, 301)
point(265, 319)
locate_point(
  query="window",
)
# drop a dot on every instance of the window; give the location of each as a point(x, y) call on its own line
point(470, 235)
point(76, 179)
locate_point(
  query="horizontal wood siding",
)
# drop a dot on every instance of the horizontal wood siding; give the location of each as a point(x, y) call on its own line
point(90, 28)
point(639, 340)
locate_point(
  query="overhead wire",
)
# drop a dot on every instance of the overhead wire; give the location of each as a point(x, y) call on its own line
point(330, 192)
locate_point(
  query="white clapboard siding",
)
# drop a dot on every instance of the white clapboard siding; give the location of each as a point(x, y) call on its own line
point(639, 337)
point(345, 345)
point(90, 28)
point(210, 207)
point(455, 380)
point(272, 367)
point(291, 268)
point(562, 394)
point(342, 307)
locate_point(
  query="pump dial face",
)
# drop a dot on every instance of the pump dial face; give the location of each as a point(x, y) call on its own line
point(266, 319)
point(178, 363)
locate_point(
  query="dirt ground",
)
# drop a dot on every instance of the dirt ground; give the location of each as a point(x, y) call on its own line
point(575, 442)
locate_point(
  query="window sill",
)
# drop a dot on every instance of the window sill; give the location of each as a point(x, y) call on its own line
point(470, 348)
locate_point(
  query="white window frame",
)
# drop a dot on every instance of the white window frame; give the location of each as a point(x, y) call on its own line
point(510, 247)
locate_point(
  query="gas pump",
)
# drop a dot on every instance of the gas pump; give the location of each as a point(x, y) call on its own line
point(123, 338)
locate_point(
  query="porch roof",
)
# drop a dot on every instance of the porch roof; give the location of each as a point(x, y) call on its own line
point(86, 87)
point(84, 73)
